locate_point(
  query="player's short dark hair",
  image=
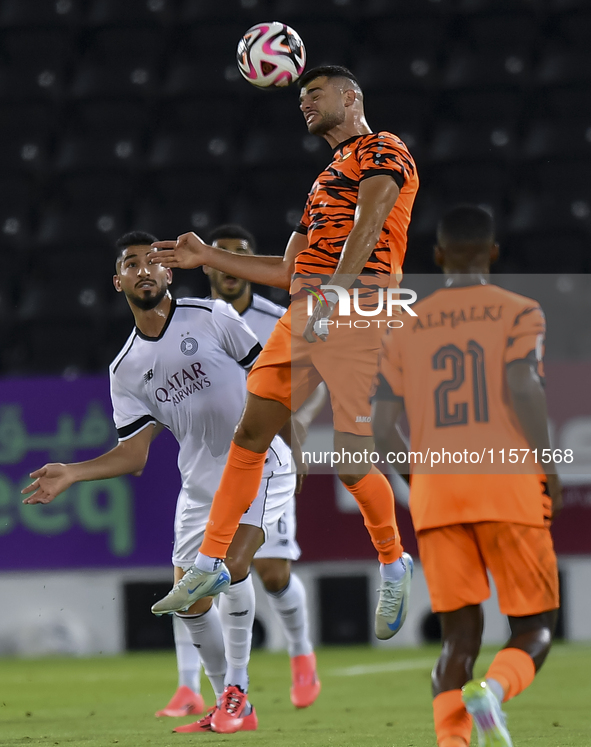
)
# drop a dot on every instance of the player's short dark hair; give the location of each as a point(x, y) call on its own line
point(328, 71)
point(232, 231)
point(133, 238)
point(466, 224)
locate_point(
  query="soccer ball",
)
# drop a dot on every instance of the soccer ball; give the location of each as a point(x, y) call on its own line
point(271, 55)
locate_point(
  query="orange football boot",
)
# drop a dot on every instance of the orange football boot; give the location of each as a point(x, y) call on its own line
point(183, 703)
point(249, 723)
point(228, 717)
point(305, 683)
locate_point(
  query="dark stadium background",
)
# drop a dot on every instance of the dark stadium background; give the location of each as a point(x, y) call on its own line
point(123, 114)
point(131, 114)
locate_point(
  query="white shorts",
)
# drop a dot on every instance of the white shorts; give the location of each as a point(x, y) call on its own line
point(272, 510)
point(280, 537)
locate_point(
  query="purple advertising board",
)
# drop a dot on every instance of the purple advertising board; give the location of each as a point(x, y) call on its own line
point(128, 521)
point(125, 521)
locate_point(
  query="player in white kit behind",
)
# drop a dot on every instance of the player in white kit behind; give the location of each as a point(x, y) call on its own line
point(286, 593)
point(183, 368)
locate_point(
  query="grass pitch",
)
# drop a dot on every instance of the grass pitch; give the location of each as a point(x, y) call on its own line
point(369, 698)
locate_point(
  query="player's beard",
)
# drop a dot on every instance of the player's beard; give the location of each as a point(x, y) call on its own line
point(328, 121)
point(149, 302)
point(224, 293)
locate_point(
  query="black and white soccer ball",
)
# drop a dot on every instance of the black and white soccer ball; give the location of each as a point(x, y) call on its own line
point(271, 55)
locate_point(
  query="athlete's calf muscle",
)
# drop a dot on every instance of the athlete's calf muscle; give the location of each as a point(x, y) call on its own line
point(261, 421)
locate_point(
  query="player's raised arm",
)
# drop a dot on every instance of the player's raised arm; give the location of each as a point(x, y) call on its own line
point(128, 457)
point(376, 198)
point(190, 251)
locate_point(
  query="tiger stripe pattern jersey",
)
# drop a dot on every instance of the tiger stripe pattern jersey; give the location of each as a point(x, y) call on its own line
point(329, 214)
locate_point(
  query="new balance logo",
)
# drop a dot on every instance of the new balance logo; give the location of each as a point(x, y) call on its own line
point(148, 376)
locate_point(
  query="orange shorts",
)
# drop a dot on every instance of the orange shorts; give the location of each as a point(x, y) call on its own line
point(520, 558)
point(289, 368)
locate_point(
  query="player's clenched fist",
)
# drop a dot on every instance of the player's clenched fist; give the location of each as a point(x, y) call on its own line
point(48, 483)
point(187, 252)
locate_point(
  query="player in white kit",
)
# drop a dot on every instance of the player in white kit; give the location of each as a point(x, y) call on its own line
point(183, 368)
point(286, 593)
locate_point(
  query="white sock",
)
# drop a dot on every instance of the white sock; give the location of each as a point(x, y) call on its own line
point(497, 689)
point(290, 606)
point(188, 661)
point(206, 634)
point(207, 564)
point(237, 616)
point(393, 571)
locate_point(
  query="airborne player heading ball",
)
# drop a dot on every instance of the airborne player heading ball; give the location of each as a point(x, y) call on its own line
point(353, 229)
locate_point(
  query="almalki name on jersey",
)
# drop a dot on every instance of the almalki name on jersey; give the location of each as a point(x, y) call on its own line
point(183, 384)
point(454, 317)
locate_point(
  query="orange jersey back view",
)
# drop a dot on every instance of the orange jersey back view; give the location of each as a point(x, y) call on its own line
point(449, 364)
point(330, 209)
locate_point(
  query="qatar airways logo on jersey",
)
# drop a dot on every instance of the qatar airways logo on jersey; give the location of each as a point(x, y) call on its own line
point(183, 384)
point(393, 300)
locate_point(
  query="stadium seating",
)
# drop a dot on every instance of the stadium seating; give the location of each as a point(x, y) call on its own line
point(401, 8)
point(205, 11)
point(52, 47)
point(506, 69)
point(16, 215)
point(163, 219)
point(473, 142)
point(132, 114)
point(112, 12)
point(302, 10)
point(547, 139)
point(40, 13)
point(87, 227)
point(188, 79)
point(472, 105)
point(125, 80)
point(327, 42)
point(404, 70)
point(565, 66)
point(24, 153)
point(32, 82)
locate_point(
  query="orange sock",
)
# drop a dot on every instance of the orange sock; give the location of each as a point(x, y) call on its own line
point(453, 724)
point(237, 490)
point(453, 742)
point(375, 498)
point(513, 669)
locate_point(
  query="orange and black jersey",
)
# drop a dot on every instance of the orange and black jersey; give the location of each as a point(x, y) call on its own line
point(449, 365)
point(330, 209)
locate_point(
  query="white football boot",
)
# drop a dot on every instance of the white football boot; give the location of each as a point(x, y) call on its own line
point(194, 585)
point(484, 707)
point(393, 602)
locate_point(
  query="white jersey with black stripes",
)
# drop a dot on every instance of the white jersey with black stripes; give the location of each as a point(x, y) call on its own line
point(191, 378)
point(261, 315)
